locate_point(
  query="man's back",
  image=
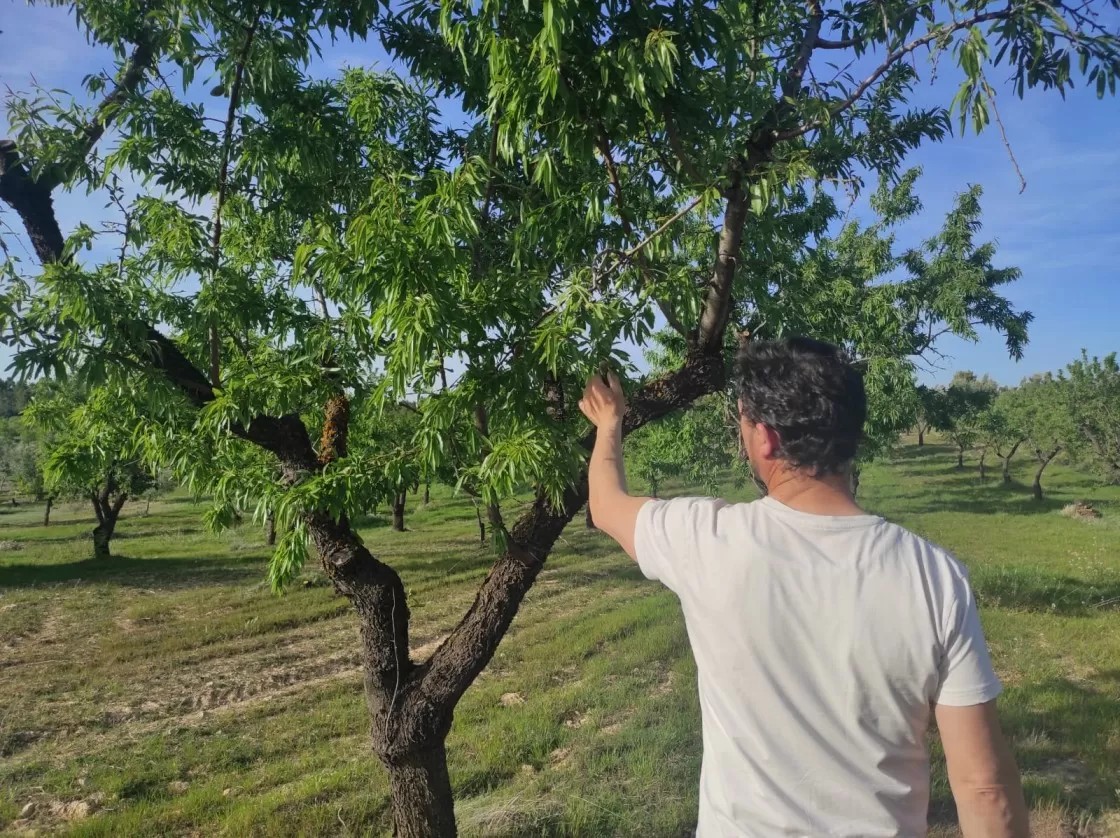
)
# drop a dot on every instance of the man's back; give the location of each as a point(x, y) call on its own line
point(821, 643)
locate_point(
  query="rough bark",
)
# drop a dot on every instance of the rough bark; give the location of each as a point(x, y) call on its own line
point(420, 795)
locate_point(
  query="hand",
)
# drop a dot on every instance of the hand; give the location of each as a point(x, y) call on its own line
point(603, 402)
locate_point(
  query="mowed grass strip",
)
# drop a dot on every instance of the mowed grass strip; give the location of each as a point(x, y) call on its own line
point(168, 692)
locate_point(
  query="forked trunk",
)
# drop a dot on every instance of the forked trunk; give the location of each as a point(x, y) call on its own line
point(420, 795)
point(107, 509)
point(1007, 460)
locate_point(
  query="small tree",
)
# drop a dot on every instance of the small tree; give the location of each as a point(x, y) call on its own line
point(1000, 433)
point(1093, 386)
point(89, 452)
point(1040, 408)
point(962, 403)
point(927, 407)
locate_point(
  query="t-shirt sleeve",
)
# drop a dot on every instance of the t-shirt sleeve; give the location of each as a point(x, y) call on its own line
point(966, 676)
point(669, 538)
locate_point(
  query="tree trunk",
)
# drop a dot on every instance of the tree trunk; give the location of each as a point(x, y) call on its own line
point(427, 493)
point(921, 436)
point(147, 506)
point(1043, 462)
point(588, 521)
point(270, 529)
point(47, 511)
point(108, 511)
point(853, 479)
point(960, 456)
point(983, 468)
point(420, 795)
point(398, 511)
point(1007, 460)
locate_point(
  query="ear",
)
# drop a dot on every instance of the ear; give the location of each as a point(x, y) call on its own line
point(768, 441)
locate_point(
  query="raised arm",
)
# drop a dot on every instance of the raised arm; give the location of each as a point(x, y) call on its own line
point(615, 511)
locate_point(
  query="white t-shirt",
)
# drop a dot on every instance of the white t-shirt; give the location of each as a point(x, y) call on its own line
point(821, 643)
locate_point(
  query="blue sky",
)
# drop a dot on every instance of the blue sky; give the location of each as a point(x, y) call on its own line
point(1063, 231)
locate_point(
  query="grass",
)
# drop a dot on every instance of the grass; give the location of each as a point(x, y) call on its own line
point(167, 692)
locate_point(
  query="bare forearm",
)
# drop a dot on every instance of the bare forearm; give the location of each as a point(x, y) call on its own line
point(606, 475)
point(996, 811)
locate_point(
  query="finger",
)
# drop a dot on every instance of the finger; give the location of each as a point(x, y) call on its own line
point(613, 382)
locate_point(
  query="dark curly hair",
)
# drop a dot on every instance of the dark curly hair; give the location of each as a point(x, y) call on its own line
point(809, 392)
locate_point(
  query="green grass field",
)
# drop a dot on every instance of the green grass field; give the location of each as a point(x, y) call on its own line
point(168, 692)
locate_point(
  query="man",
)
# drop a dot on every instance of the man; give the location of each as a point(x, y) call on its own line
point(824, 637)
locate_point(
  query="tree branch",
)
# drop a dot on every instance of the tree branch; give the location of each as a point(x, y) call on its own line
point(891, 59)
point(791, 84)
point(717, 301)
point(468, 649)
point(223, 188)
point(139, 62)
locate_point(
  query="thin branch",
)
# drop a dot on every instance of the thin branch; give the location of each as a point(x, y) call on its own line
point(223, 186)
point(888, 62)
point(133, 73)
point(1003, 134)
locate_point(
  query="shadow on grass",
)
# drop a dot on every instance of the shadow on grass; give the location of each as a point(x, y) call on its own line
point(1026, 591)
point(1063, 736)
point(170, 573)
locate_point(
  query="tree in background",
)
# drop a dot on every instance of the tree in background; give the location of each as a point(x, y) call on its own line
point(927, 411)
point(1093, 386)
point(1000, 433)
point(87, 451)
point(962, 405)
point(1040, 408)
point(697, 446)
point(615, 161)
point(14, 396)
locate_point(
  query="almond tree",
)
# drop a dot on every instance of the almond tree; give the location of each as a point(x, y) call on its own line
point(308, 241)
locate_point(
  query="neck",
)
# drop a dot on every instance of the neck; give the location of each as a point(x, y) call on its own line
point(827, 495)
